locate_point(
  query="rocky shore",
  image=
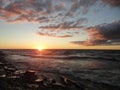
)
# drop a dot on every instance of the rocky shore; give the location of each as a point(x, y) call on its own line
point(12, 78)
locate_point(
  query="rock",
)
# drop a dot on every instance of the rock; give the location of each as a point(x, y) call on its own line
point(3, 83)
point(34, 86)
point(63, 81)
point(29, 76)
point(2, 75)
point(44, 78)
point(52, 81)
point(39, 81)
point(57, 86)
point(70, 83)
point(42, 84)
point(13, 77)
point(2, 71)
point(9, 71)
point(2, 55)
point(1, 65)
point(19, 72)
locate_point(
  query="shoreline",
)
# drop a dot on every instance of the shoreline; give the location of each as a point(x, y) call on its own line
point(45, 80)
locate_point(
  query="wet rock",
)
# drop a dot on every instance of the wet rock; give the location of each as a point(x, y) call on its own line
point(2, 55)
point(2, 59)
point(3, 83)
point(58, 86)
point(19, 72)
point(9, 71)
point(13, 77)
point(39, 81)
point(29, 76)
point(52, 81)
point(34, 86)
point(3, 75)
point(42, 85)
point(2, 71)
point(63, 80)
point(70, 83)
point(44, 78)
point(1, 65)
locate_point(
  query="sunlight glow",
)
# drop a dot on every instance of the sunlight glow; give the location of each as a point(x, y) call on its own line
point(40, 48)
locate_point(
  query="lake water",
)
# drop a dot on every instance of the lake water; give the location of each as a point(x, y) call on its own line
point(96, 65)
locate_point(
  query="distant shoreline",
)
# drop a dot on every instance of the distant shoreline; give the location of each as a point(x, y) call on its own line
point(71, 49)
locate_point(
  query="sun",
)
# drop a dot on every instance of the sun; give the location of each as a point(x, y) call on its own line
point(40, 48)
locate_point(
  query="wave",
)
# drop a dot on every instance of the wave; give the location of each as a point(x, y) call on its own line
point(69, 54)
point(63, 57)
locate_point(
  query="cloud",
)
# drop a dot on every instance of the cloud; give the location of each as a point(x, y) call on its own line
point(53, 16)
point(66, 25)
point(104, 34)
point(108, 31)
point(46, 11)
point(32, 10)
point(28, 10)
point(35, 10)
point(83, 5)
point(63, 27)
point(114, 3)
point(53, 35)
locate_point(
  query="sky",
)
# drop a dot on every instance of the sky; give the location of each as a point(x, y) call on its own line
point(60, 24)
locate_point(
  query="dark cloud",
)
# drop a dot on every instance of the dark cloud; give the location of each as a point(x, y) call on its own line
point(83, 5)
point(114, 3)
point(109, 31)
point(104, 34)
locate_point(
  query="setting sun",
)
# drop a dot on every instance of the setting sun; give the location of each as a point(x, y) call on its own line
point(40, 48)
